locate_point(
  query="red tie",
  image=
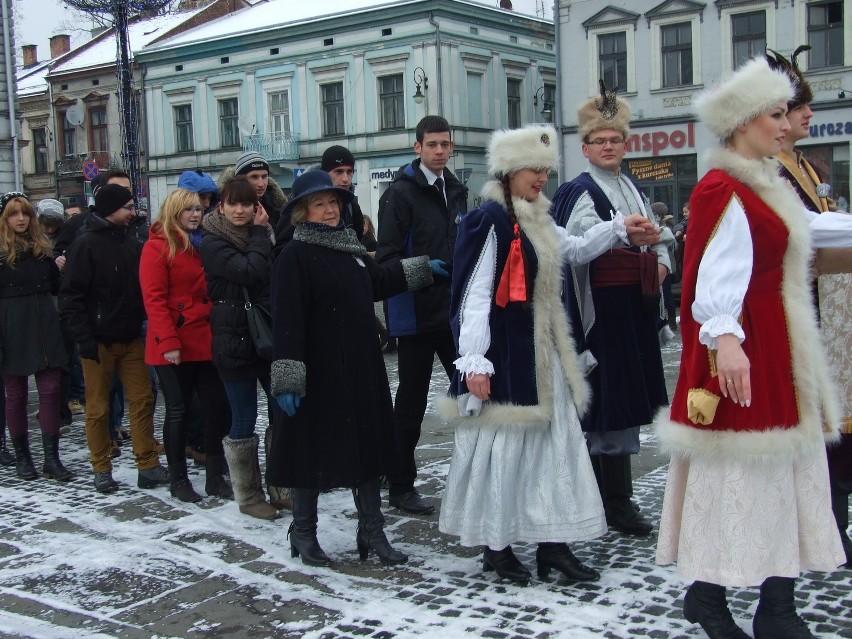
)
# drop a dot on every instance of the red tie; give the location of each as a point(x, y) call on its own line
point(513, 282)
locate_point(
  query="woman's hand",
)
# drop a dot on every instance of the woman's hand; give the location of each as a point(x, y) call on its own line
point(172, 357)
point(261, 217)
point(733, 368)
point(640, 230)
point(60, 262)
point(480, 385)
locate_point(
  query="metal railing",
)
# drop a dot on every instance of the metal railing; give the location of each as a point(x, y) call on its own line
point(73, 164)
point(273, 146)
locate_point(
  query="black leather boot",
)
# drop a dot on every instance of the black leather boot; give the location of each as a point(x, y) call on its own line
point(24, 467)
point(559, 557)
point(371, 525)
point(616, 484)
point(6, 458)
point(840, 508)
point(52, 466)
point(705, 604)
point(506, 565)
point(303, 530)
point(179, 484)
point(776, 616)
point(215, 483)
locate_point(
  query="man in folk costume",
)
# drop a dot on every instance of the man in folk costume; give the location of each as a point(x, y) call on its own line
point(835, 285)
point(614, 305)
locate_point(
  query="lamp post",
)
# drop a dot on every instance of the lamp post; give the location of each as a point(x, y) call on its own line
point(546, 111)
point(420, 79)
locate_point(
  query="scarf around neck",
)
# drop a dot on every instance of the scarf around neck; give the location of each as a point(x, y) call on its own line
point(218, 224)
point(337, 238)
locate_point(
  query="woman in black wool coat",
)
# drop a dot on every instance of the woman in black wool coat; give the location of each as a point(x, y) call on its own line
point(329, 375)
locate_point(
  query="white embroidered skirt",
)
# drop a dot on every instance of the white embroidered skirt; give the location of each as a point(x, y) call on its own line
point(514, 483)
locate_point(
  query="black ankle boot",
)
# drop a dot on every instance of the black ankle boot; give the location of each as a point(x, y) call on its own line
point(215, 483)
point(776, 616)
point(24, 467)
point(371, 522)
point(559, 557)
point(6, 458)
point(303, 530)
point(705, 604)
point(179, 484)
point(506, 565)
point(52, 466)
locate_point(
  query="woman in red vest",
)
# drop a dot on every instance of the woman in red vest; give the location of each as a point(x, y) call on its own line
point(747, 500)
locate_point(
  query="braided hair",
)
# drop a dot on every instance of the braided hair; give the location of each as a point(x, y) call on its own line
point(507, 195)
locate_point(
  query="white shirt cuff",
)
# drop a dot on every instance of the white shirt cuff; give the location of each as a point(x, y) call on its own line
point(719, 325)
point(474, 364)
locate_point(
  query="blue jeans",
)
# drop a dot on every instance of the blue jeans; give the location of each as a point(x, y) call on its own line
point(242, 396)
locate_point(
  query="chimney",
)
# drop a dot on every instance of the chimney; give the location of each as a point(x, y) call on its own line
point(30, 55)
point(59, 44)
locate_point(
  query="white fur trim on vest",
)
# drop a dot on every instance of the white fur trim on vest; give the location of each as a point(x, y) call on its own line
point(552, 335)
point(819, 416)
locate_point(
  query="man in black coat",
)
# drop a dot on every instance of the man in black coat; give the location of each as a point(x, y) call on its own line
point(101, 302)
point(339, 163)
point(418, 215)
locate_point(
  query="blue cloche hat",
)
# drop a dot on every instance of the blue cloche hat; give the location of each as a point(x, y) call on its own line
point(315, 181)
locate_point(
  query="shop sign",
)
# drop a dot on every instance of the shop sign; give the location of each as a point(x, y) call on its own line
point(830, 129)
point(651, 170)
point(383, 175)
point(659, 140)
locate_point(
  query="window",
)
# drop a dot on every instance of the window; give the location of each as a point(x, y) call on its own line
point(513, 102)
point(98, 138)
point(748, 34)
point(549, 106)
point(332, 109)
point(825, 34)
point(183, 128)
point(612, 54)
point(279, 112)
point(39, 137)
point(391, 101)
point(229, 131)
point(676, 54)
point(69, 137)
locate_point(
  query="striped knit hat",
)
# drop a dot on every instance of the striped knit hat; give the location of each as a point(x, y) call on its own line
point(250, 161)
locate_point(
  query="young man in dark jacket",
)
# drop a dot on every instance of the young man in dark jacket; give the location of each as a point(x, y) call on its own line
point(418, 215)
point(101, 302)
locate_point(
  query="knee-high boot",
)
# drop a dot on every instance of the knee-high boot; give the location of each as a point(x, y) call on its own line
point(245, 477)
point(303, 530)
point(52, 466)
point(776, 616)
point(840, 508)
point(706, 605)
point(371, 525)
point(6, 458)
point(616, 484)
point(24, 467)
point(280, 497)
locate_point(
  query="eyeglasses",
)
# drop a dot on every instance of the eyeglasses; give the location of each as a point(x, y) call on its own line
point(195, 209)
point(605, 141)
point(130, 208)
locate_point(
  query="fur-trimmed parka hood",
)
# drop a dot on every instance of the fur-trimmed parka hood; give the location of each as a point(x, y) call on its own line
point(274, 194)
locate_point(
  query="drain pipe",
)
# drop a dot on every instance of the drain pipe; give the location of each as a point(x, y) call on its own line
point(10, 89)
point(438, 62)
point(560, 93)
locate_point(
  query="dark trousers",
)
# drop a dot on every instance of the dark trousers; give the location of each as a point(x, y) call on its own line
point(179, 384)
point(416, 358)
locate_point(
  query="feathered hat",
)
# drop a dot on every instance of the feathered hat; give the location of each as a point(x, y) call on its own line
point(605, 111)
point(778, 62)
point(532, 147)
point(753, 89)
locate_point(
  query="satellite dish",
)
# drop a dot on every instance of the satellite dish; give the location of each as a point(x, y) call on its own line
point(244, 127)
point(74, 115)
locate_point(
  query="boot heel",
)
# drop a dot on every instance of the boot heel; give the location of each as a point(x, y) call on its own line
point(363, 551)
point(294, 552)
point(543, 571)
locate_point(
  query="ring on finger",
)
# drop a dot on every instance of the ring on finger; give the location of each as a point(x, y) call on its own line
point(730, 381)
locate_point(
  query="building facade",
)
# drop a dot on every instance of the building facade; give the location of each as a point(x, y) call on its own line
point(279, 80)
point(662, 55)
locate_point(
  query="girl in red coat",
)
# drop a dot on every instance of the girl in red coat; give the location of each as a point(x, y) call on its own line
point(178, 341)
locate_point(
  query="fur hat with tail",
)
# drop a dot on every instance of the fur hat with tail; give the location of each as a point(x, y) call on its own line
point(605, 111)
point(532, 147)
point(753, 89)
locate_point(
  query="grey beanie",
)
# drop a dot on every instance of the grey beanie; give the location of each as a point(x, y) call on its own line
point(251, 161)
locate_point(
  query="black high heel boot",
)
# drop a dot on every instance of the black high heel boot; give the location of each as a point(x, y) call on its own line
point(52, 465)
point(559, 557)
point(705, 604)
point(506, 565)
point(303, 530)
point(371, 524)
point(24, 467)
point(6, 458)
point(776, 614)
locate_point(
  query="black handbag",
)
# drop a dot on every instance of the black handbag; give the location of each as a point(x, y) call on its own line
point(260, 327)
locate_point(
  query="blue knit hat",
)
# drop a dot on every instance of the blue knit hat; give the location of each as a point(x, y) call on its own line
point(197, 182)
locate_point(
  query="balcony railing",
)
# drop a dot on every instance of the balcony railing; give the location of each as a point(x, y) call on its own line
point(73, 164)
point(273, 146)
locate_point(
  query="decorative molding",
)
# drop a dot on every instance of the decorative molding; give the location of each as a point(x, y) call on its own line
point(674, 9)
point(677, 101)
point(825, 85)
point(611, 17)
point(730, 4)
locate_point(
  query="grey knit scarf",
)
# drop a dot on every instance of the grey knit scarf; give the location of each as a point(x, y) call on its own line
point(218, 224)
point(338, 238)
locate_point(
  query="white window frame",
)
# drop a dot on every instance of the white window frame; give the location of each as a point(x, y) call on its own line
point(594, 60)
point(657, 25)
point(801, 9)
point(278, 84)
point(329, 75)
point(727, 31)
point(225, 90)
point(174, 106)
point(389, 65)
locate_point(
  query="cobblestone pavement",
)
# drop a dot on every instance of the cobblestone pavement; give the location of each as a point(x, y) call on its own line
point(140, 564)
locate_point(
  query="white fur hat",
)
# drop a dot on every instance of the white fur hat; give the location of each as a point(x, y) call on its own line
point(753, 89)
point(533, 147)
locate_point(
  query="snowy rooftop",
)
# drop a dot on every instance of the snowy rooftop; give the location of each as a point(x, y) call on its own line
point(104, 50)
point(32, 81)
point(275, 14)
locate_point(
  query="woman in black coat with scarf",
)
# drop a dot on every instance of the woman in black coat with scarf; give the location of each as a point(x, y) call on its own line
point(329, 375)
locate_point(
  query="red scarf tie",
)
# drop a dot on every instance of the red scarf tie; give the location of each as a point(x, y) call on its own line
point(513, 282)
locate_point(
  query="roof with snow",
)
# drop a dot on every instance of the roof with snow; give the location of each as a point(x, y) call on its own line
point(274, 14)
point(33, 80)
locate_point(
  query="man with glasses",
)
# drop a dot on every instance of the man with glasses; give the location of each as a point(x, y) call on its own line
point(101, 303)
point(614, 306)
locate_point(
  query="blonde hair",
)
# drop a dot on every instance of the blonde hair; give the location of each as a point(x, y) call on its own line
point(168, 225)
point(11, 243)
point(299, 214)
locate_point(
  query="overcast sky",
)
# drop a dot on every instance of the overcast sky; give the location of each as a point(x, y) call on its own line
point(40, 19)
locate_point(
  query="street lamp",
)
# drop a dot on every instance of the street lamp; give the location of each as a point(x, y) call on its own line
point(842, 93)
point(420, 78)
point(546, 112)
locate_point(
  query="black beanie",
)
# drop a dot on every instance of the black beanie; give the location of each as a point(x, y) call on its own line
point(110, 198)
point(336, 156)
